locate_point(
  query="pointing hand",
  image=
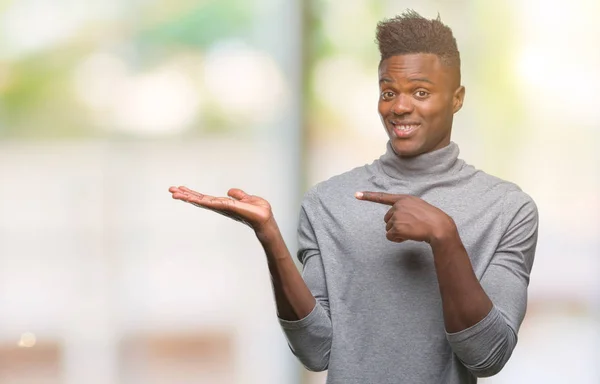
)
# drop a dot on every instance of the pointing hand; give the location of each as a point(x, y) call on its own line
point(410, 218)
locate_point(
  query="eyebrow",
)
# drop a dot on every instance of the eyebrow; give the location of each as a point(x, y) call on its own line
point(414, 79)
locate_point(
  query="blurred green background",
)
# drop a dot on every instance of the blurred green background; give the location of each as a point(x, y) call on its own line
point(105, 104)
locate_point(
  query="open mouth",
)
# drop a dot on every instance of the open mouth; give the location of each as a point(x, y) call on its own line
point(404, 129)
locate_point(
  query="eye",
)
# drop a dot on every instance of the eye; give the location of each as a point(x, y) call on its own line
point(387, 95)
point(421, 94)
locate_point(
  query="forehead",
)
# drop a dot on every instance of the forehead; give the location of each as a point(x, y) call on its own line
point(402, 67)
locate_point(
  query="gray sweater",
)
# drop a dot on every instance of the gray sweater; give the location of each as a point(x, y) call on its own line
point(378, 318)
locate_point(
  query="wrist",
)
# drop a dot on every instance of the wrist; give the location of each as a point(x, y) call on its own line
point(445, 235)
point(272, 242)
point(267, 231)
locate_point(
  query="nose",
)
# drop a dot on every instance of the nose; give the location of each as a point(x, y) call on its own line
point(402, 105)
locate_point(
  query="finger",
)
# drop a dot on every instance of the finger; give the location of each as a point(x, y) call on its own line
point(389, 225)
point(224, 204)
point(185, 197)
point(389, 214)
point(180, 194)
point(379, 197)
point(230, 214)
point(391, 236)
point(191, 192)
point(237, 194)
point(206, 201)
point(183, 191)
point(198, 197)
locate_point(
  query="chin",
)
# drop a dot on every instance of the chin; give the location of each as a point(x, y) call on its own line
point(406, 148)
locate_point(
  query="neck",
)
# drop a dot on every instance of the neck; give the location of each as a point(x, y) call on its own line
point(430, 164)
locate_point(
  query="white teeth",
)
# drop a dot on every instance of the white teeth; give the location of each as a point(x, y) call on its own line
point(405, 127)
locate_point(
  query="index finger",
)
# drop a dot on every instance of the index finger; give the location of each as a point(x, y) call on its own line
point(379, 197)
point(201, 200)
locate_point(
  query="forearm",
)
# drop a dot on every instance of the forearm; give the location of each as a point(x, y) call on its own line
point(476, 331)
point(293, 299)
point(464, 301)
point(482, 333)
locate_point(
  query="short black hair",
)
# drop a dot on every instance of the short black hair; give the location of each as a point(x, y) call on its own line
point(412, 33)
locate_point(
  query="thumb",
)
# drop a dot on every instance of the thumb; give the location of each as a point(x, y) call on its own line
point(237, 194)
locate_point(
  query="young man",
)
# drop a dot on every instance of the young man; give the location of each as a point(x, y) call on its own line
point(415, 267)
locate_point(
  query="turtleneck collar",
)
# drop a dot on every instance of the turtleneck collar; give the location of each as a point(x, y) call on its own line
point(439, 162)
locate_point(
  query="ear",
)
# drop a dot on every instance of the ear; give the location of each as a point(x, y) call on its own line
point(458, 98)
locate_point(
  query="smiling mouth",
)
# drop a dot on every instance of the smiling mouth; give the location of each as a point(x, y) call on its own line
point(404, 129)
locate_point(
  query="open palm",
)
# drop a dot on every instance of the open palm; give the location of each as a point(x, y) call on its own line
point(251, 210)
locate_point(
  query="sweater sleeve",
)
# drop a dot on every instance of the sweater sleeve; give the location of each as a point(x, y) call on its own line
point(485, 347)
point(310, 338)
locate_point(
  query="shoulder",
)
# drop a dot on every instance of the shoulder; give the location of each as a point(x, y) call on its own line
point(514, 200)
point(519, 207)
point(485, 182)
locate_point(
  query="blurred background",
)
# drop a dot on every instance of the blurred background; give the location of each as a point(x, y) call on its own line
point(104, 104)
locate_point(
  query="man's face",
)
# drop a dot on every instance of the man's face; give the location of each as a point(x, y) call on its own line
point(418, 98)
